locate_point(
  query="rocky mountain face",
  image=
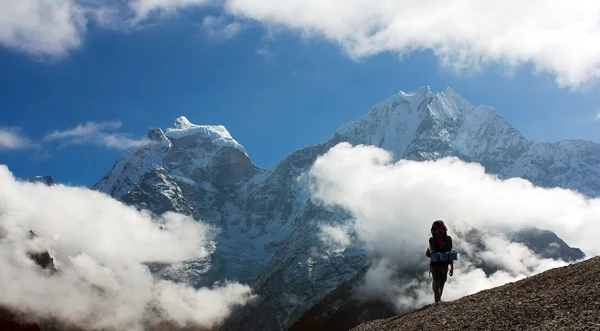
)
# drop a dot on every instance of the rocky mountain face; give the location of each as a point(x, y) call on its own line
point(269, 228)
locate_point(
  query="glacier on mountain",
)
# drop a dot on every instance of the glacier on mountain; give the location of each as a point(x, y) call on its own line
point(269, 227)
point(217, 134)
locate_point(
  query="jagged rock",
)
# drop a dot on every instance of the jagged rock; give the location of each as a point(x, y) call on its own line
point(48, 180)
point(42, 259)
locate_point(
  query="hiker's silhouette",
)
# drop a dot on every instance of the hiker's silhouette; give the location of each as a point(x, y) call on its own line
point(441, 256)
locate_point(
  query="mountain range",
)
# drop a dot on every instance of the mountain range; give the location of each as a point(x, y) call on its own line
point(268, 226)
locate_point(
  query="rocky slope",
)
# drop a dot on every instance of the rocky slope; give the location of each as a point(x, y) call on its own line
point(269, 228)
point(347, 306)
point(564, 298)
point(10, 320)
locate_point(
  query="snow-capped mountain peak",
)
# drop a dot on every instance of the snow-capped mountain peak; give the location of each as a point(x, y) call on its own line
point(189, 152)
point(410, 124)
point(218, 134)
point(182, 123)
point(421, 93)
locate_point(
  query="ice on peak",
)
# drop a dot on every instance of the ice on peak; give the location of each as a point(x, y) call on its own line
point(218, 134)
point(402, 113)
point(406, 94)
point(423, 91)
point(450, 93)
point(182, 123)
point(410, 99)
point(444, 104)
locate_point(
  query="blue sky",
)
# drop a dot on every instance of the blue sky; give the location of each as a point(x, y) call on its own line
point(277, 81)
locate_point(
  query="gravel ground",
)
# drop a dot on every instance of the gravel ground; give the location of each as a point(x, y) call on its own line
point(566, 298)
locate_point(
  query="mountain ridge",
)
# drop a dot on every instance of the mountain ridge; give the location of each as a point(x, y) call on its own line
point(270, 226)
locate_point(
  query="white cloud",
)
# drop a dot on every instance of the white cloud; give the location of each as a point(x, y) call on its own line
point(142, 8)
point(553, 35)
point(394, 204)
point(42, 27)
point(54, 28)
point(265, 52)
point(93, 133)
point(335, 238)
point(100, 247)
point(11, 139)
point(217, 27)
point(556, 36)
point(598, 115)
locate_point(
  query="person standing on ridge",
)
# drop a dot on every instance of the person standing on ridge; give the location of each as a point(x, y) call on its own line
point(440, 242)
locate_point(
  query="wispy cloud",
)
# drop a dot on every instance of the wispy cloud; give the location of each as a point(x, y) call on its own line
point(84, 130)
point(265, 52)
point(94, 133)
point(10, 138)
point(598, 116)
point(143, 8)
point(219, 28)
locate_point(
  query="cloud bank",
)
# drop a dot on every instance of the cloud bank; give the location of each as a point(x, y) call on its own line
point(394, 204)
point(553, 36)
point(100, 247)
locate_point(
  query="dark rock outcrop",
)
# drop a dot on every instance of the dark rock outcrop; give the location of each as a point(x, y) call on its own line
point(48, 180)
point(43, 259)
point(546, 244)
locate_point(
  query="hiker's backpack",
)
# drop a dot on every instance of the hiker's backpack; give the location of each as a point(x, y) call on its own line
point(441, 243)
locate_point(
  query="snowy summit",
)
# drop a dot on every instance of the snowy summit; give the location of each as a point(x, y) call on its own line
point(217, 133)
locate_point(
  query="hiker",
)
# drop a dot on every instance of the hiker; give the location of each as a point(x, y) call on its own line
point(440, 242)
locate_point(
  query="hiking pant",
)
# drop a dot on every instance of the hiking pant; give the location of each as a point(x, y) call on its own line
point(439, 273)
